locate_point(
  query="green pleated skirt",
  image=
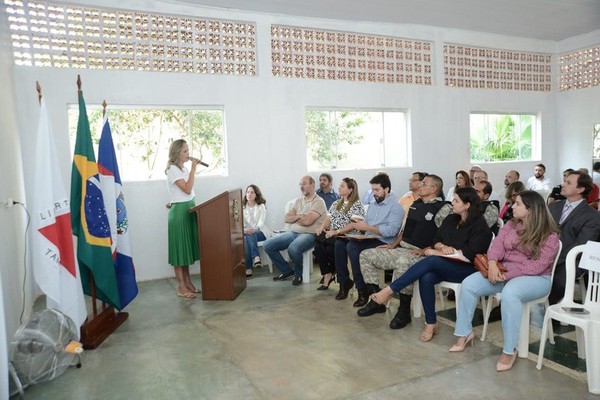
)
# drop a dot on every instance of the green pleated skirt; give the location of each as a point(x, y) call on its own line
point(183, 235)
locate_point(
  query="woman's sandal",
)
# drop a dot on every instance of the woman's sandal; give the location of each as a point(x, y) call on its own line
point(187, 295)
point(429, 331)
point(382, 298)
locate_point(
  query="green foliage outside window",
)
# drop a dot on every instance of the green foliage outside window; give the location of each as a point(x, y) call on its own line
point(142, 138)
point(497, 137)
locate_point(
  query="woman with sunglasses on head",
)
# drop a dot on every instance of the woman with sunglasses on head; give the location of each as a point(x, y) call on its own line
point(339, 216)
point(512, 190)
point(527, 246)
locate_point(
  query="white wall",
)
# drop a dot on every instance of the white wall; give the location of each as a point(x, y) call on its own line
point(264, 117)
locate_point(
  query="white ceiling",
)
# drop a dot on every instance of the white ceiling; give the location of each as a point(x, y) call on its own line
point(539, 19)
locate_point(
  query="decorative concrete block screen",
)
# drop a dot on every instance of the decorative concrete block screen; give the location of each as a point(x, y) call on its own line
point(579, 69)
point(484, 68)
point(298, 52)
point(44, 34)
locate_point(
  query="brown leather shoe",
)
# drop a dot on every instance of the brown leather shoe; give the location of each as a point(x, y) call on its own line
point(363, 298)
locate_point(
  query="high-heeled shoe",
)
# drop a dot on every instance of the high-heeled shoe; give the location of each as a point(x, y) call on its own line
point(429, 331)
point(505, 367)
point(458, 347)
point(325, 287)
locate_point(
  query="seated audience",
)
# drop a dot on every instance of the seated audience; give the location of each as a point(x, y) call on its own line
point(424, 218)
point(538, 181)
point(592, 198)
point(555, 193)
point(414, 184)
point(462, 180)
point(255, 230)
point(506, 213)
point(337, 222)
point(472, 171)
point(490, 208)
point(463, 233)
point(527, 246)
point(578, 223)
point(368, 196)
point(306, 215)
point(381, 226)
point(326, 191)
point(510, 177)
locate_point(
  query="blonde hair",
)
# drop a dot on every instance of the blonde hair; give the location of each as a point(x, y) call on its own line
point(174, 150)
point(538, 225)
point(353, 198)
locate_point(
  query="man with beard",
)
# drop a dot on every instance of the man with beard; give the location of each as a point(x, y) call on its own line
point(538, 181)
point(326, 191)
point(381, 226)
point(510, 177)
point(424, 218)
point(306, 215)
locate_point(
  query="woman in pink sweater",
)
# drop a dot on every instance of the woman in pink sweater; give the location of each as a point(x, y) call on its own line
point(527, 246)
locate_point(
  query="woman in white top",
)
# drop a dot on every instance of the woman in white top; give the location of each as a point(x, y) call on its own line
point(255, 214)
point(462, 180)
point(183, 233)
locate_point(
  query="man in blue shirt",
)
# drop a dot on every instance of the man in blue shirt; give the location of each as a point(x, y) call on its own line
point(326, 191)
point(381, 226)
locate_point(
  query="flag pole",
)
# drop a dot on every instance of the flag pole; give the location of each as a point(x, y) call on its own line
point(104, 108)
point(98, 326)
point(38, 87)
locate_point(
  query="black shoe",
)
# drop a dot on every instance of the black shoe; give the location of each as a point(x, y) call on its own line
point(322, 280)
point(495, 314)
point(297, 280)
point(363, 298)
point(323, 287)
point(283, 277)
point(451, 295)
point(344, 289)
point(402, 317)
point(370, 309)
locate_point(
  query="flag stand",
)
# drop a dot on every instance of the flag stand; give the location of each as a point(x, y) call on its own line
point(98, 326)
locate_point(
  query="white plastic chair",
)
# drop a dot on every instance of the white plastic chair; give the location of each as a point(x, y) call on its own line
point(587, 324)
point(523, 345)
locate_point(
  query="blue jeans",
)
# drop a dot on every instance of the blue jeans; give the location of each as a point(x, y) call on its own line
point(430, 271)
point(251, 244)
point(351, 249)
point(515, 292)
point(295, 243)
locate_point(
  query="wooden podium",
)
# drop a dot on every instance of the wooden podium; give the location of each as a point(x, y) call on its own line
point(221, 242)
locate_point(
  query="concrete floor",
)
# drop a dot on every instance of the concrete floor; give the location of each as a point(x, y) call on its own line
point(277, 341)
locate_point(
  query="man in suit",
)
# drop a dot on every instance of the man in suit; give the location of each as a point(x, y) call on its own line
point(578, 223)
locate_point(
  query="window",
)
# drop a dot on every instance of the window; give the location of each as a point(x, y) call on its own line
point(356, 139)
point(503, 137)
point(142, 138)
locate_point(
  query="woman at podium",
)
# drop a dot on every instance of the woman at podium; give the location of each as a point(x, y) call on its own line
point(255, 230)
point(183, 234)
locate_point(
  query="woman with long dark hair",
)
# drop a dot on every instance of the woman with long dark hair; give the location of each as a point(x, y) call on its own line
point(461, 236)
point(527, 246)
point(255, 230)
point(335, 224)
point(462, 180)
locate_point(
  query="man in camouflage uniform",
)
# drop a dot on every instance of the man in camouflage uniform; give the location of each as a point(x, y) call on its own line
point(424, 218)
point(490, 208)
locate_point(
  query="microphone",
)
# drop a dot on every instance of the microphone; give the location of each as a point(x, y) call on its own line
point(199, 162)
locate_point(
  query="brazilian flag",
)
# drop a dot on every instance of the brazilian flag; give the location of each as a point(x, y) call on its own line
point(88, 218)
